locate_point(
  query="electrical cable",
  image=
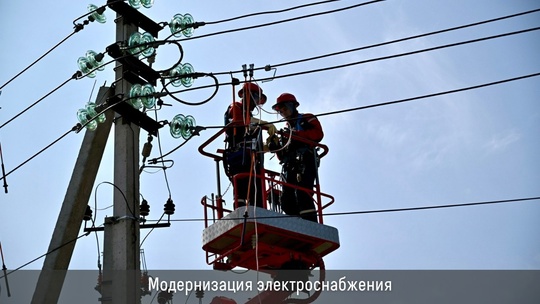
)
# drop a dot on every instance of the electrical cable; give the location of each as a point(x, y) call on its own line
point(189, 295)
point(381, 58)
point(75, 128)
point(154, 297)
point(194, 76)
point(3, 170)
point(142, 48)
point(404, 54)
point(119, 190)
point(178, 62)
point(94, 225)
point(162, 156)
point(387, 103)
point(255, 220)
point(403, 100)
point(404, 39)
point(25, 69)
point(144, 239)
point(77, 28)
point(280, 21)
point(4, 270)
point(159, 168)
point(77, 74)
point(269, 12)
point(322, 114)
point(157, 44)
point(516, 200)
point(351, 50)
point(390, 42)
point(47, 253)
point(97, 244)
point(425, 95)
point(216, 85)
point(154, 160)
point(430, 95)
point(105, 208)
point(435, 207)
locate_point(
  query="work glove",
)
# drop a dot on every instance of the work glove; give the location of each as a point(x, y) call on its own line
point(271, 129)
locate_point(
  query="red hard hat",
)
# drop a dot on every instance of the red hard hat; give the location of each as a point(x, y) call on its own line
point(253, 88)
point(286, 97)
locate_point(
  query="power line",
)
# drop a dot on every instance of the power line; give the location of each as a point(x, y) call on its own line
point(374, 59)
point(160, 148)
point(270, 12)
point(430, 95)
point(495, 202)
point(390, 42)
point(408, 38)
point(75, 76)
point(387, 103)
point(45, 254)
point(350, 64)
point(76, 28)
point(436, 207)
point(75, 128)
point(403, 54)
point(280, 21)
point(401, 209)
point(36, 61)
point(78, 73)
point(352, 50)
point(79, 27)
point(515, 200)
point(3, 170)
point(411, 53)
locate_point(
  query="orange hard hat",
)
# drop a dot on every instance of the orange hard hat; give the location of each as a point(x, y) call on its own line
point(253, 88)
point(286, 97)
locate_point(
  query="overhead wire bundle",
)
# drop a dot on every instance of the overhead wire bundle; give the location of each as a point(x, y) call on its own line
point(345, 65)
point(166, 79)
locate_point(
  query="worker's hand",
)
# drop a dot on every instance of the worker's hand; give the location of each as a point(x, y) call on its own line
point(272, 142)
point(285, 132)
point(270, 127)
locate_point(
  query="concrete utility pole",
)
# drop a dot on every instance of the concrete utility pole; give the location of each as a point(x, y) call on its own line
point(121, 261)
point(71, 214)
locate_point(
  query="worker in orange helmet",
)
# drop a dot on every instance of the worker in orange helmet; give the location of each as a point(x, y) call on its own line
point(299, 158)
point(243, 141)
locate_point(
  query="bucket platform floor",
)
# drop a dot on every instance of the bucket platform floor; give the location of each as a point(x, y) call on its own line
point(266, 240)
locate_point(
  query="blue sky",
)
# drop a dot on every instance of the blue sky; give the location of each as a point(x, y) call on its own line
point(478, 145)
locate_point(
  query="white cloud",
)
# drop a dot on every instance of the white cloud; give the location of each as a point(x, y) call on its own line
point(502, 140)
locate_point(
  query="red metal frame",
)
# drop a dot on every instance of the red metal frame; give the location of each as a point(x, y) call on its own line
point(271, 184)
point(268, 177)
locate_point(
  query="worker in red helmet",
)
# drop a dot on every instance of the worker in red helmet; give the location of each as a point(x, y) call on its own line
point(299, 158)
point(243, 142)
